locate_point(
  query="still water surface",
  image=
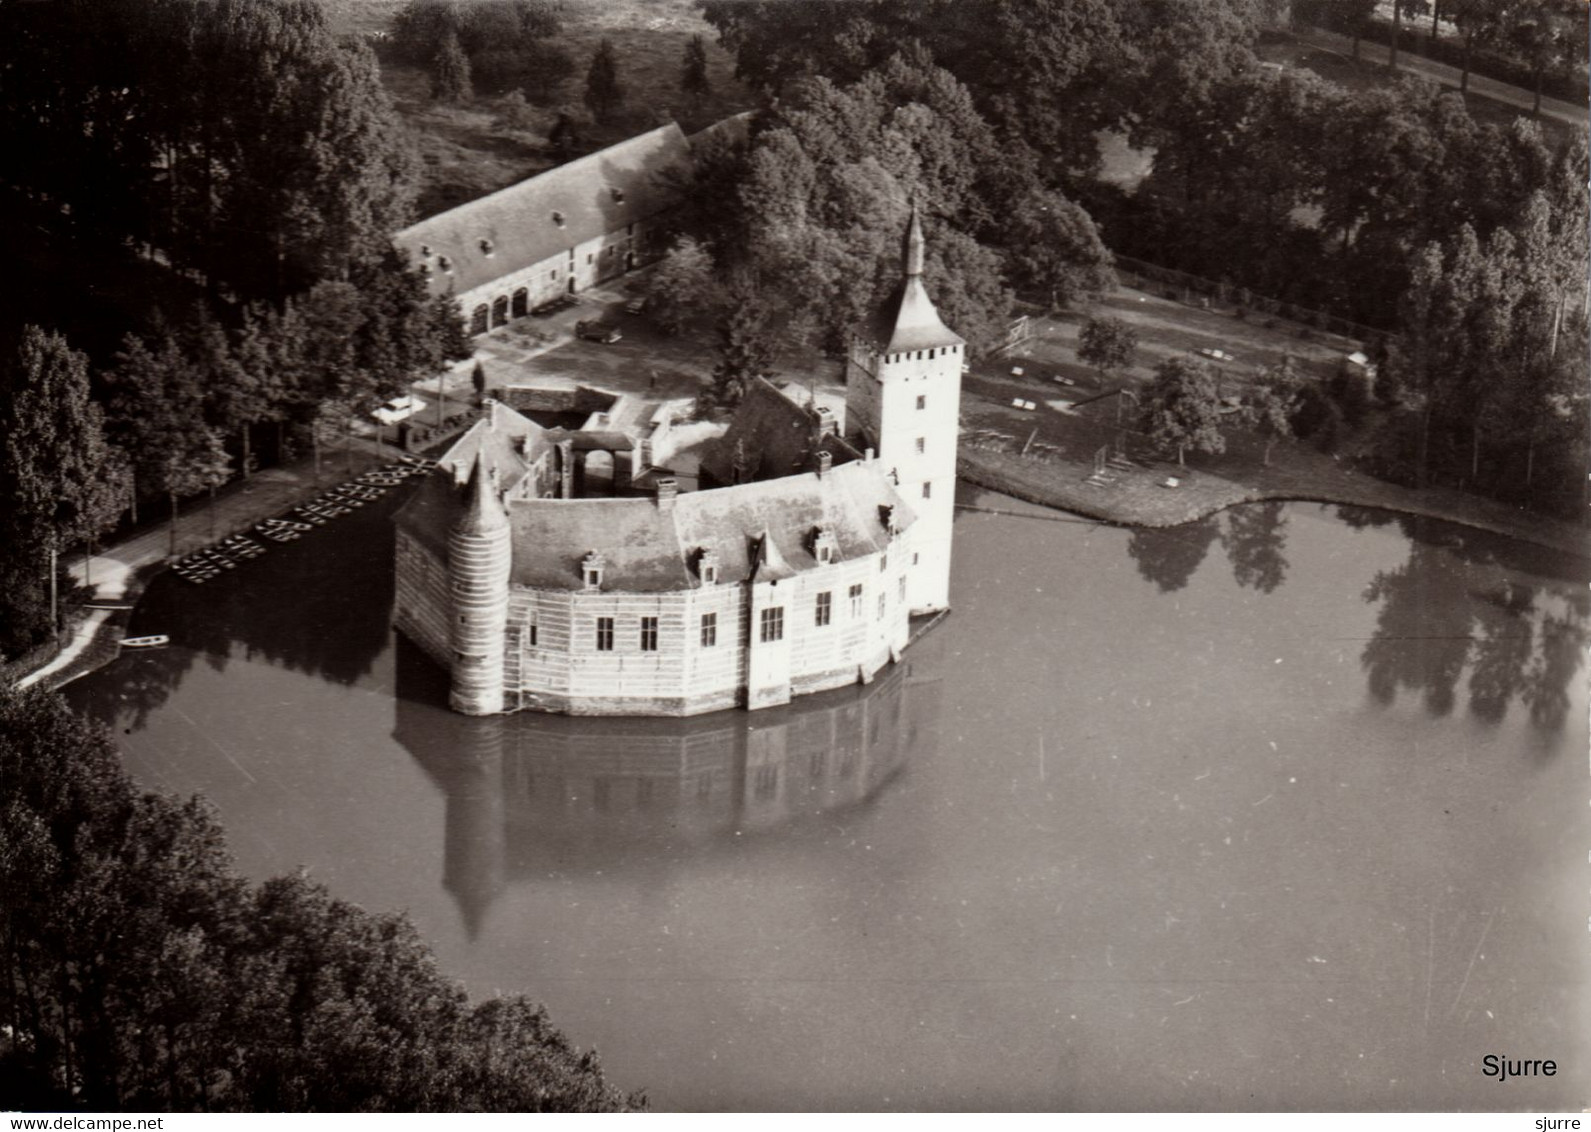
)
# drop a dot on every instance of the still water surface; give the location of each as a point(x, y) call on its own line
point(1282, 809)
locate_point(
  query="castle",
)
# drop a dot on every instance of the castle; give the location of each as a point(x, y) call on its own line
point(798, 573)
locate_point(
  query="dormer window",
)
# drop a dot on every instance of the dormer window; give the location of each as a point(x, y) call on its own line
point(824, 547)
point(618, 195)
point(425, 250)
point(707, 567)
point(445, 264)
point(557, 218)
point(486, 248)
point(591, 567)
point(425, 271)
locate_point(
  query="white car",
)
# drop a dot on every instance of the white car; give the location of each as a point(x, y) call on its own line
point(398, 409)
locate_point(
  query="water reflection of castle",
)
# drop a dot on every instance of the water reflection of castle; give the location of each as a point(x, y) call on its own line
point(532, 794)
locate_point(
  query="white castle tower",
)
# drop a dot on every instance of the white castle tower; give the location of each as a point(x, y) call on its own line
point(903, 399)
point(479, 555)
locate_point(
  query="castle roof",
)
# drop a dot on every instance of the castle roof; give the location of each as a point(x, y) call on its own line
point(763, 529)
point(544, 215)
point(908, 320)
point(775, 436)
point(509, 442)
point(484, 512)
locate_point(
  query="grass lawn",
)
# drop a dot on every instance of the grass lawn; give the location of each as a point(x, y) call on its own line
point(466, 154)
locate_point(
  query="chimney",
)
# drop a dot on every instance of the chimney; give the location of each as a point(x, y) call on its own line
point(667, 491)
point(825, 462)
point(826, 422)
point(868, 455)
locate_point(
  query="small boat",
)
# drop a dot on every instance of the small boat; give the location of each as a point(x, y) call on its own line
point(159, 640)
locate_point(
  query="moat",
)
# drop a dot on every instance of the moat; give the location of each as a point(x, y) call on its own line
point(1283, 809)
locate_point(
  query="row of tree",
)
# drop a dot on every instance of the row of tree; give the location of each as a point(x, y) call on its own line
point(139, 971)
point(238, 140)
point(1528, 43)
point(181, 405)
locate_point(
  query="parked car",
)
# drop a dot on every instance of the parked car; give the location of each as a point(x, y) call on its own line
point(593, 331)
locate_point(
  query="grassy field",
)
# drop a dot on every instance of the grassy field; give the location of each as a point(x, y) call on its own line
point(468, 154)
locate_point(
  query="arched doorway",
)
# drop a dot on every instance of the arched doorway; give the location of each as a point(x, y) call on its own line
point(478, 319)
point(521, 305)
point(500, 311)
point(597, 473)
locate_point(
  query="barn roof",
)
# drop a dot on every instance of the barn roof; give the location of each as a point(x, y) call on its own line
point(544, 215)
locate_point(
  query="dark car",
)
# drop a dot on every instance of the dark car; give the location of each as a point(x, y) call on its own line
point(593, 331)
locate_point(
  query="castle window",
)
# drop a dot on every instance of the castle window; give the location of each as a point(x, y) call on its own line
point(590, 258)
point(557, 218)
point(902, 587)
point(881, 605)
point(604, 634)
point(823, 546)
point(708, 567)
point(922, 401)
point(824, 608)
point(856, 600)
point(772, 621)
point(425, 250)
point(709, 630)
point(445, 264)
point(486, 248)
point(921, 445)
point(649, 633)
point(591, 570)
point(883, 563)
point(532, 641)
point(618, 195)
point(927, 489)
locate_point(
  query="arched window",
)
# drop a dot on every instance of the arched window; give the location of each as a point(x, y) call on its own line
point(479, 320)
point(521, 305)
point(500, 311)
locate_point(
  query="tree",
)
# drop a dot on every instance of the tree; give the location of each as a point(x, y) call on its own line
point(1107, 343)
point(514, 113)
point(693, 73)
point(681, 285)
point(1181, 408)
point(1053, 248)
point(450, 71)
point(1357, 16)
point(57, 472)
point(604, 90)
point(1269, 404)
point(138, 970)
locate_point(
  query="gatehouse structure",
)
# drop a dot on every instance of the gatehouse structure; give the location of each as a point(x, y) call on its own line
point(799, 573)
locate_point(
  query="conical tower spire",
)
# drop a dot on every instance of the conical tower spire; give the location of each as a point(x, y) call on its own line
point(484, 512)
point(913, 252)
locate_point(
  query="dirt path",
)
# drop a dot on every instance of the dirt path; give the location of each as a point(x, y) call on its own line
point(1566, 112)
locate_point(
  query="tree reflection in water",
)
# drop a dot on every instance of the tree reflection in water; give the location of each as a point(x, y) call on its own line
point(1460, 605)
point(1254, 538)
point(1168, 556)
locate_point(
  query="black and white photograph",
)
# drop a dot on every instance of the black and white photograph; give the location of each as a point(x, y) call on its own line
point(856, 556)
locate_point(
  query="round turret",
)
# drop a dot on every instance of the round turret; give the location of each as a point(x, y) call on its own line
point(479, 556)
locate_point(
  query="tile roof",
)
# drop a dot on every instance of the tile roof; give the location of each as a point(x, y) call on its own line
point(775, 435)
point(599, 193)
point(648, 549)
